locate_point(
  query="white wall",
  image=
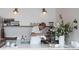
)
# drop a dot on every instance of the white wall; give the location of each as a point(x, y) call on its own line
point(69, 14)
point(28, 15)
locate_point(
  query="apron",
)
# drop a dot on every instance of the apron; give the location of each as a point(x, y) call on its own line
point(35, 40)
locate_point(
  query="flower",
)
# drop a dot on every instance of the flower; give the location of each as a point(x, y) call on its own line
point(63, 29)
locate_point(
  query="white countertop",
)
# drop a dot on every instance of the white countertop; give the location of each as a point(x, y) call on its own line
point(44, 46)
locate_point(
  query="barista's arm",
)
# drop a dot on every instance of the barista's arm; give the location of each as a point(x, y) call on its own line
point(35, 34)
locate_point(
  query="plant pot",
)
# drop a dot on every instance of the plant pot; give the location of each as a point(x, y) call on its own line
point(61, 40)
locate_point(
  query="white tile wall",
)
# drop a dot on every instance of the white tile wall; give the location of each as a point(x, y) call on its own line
point(18, 31)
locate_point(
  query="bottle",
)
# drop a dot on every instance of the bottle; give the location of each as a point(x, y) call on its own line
point(22, 38)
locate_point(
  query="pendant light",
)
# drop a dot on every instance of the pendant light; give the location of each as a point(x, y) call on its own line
point(15, 11)
point(44, 11)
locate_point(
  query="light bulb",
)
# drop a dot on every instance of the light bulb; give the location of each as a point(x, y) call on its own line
point(44, 13)
point(15, 12)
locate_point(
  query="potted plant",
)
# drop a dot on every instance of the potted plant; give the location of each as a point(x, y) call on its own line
point(62, 31)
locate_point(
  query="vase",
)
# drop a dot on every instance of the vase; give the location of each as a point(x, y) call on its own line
point(61, 41)
point(75, 44)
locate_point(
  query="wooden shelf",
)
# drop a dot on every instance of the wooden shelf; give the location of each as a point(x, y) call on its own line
point(21, 26)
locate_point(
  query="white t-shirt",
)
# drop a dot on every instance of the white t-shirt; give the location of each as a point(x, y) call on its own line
point(43, 31)
point(36, 29)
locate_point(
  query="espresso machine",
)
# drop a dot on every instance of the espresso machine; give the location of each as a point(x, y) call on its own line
point(52, 32)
